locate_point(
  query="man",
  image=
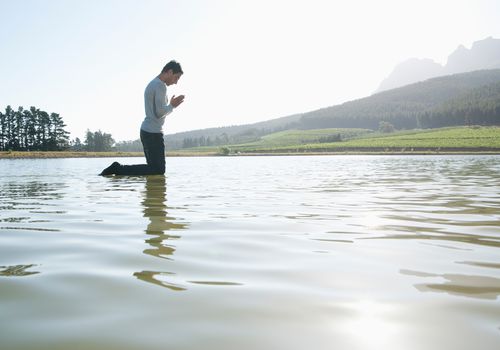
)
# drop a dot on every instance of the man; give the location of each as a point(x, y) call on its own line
point(157, 107)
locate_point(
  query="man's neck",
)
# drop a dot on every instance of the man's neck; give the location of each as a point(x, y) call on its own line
point(162, 78)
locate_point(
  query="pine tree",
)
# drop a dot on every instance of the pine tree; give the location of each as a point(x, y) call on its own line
point(32, 130)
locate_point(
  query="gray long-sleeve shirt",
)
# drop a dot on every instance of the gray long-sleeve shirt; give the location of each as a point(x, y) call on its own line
point(156, 106)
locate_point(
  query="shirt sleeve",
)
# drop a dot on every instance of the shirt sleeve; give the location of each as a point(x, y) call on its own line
point(162, 108)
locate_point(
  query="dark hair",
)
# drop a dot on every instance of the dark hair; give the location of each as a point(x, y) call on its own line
point(174, 66)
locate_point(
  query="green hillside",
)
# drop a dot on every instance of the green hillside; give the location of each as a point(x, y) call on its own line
point(302, 137)
point(445, 138)
point(473, 139)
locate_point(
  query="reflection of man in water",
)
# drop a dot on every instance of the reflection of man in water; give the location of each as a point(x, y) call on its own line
point(155, 209)
point(157, 107)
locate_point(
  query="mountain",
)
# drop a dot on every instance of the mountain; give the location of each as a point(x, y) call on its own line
point(419, 105)
point(458, 99)
point(484, 54)
point(411, 71)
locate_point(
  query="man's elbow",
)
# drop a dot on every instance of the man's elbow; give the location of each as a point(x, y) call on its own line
point(162, 113)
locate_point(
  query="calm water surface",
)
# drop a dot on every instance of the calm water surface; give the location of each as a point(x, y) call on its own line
point(341, 252)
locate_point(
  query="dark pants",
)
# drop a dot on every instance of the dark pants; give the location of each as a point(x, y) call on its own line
point(154, 150)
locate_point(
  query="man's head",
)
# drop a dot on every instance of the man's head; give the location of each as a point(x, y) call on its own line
point(171, 73)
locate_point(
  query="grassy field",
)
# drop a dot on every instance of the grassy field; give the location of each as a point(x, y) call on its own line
point(288, 138)
point(456, 139)
point(447, 138)
point(302, 137)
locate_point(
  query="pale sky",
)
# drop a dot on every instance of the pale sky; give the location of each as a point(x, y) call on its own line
point(243, 61)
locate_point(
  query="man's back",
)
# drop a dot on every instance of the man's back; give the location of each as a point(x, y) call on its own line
point(156, 106)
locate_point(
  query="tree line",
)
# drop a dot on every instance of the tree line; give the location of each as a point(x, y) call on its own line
point(96, 141)
point(32, 130)
point(36, 130)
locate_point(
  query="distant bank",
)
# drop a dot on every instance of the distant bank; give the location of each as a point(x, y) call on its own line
point(367, 151)
point(474, 139)
point(74, 154)
point(455, 140)
point(66, 154)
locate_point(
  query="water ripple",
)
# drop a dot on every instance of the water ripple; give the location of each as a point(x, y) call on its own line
point(17, 270)
point(252, 252)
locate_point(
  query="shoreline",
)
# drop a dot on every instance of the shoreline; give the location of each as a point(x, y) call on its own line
point(64, 154)
point(71, 154)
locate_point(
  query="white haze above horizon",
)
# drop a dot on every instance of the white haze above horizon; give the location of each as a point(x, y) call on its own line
point(244, 61)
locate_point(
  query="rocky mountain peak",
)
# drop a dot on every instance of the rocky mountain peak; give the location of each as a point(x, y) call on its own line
point(483, 54)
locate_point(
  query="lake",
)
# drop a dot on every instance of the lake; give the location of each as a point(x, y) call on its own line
point(307, 252)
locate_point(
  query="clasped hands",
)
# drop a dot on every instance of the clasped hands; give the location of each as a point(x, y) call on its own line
point(175, 101)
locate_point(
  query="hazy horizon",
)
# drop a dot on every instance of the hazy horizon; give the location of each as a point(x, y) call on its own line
point(244, 62)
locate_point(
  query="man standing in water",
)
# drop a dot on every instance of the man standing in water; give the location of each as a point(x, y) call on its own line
point(157, 107)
